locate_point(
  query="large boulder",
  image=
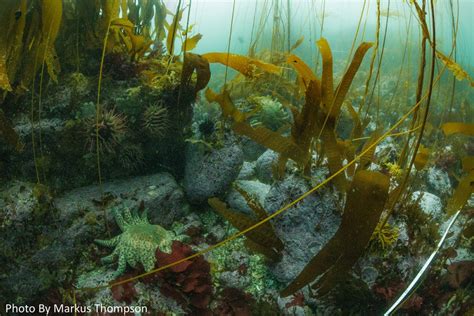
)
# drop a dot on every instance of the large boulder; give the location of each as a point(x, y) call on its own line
point(161, 194)
point(210, 173)
point(304, 228)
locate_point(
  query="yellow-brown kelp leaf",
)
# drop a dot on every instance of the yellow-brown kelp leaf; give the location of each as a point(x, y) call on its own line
point(272, 140)
point(111, 10)
point(468, 163)
point(297, 43)
point(304, 125)
point(191, 42)
point(267, 228)
point(173, 31)
point(357, 129)
point(327, 90)
point(464, 189)
point(4, 82)
point(263, 236)
point(196, 62)
point(358, 224)
point(11, 40)
point(51, 11)
point(455, 68)
point(226, 104)
point(455, 127)
point(421, 157)
point(247, 66)
point(8, 133)
point(305, 73)
point(349, 75)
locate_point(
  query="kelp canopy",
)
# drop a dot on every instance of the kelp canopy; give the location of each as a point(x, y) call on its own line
point(367, 116)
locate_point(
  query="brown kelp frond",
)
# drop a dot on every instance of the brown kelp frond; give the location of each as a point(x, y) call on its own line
point(123, 37)
point(458, 72)
point(8, 133)
point(305, 74)
point(27, 40)
point(173, 29)
point(458, 128)
point(227, 106)
point(421, 158)
point(462, 193)
point(247, 66)
point(272, 140)
point(349, 75)
point(201, 65)
point(262, 239)
point(358, 224)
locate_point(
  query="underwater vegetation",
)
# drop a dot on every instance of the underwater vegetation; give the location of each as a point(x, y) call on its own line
point(281, 167)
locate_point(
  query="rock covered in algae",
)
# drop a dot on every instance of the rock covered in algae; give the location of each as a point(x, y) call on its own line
point(160, 193)
point(265, 165)
point(304, 228)
point(209, 174)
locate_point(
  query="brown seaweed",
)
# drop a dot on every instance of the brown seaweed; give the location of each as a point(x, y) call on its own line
point(359, 221)
point(263, 238)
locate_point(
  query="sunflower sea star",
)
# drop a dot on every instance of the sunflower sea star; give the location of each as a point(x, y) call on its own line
point(138, 241)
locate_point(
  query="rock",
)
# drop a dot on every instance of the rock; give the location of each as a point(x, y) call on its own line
point(254, 188)
point(38, 246)
point(265, 165)
point(248, 171)
point(251, 149)
point(162, 196)
point(438, 181)
point(209, 174)
point(429, 203)
point(304, 228)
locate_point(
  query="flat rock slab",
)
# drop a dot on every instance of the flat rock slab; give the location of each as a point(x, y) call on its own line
point(161, 194)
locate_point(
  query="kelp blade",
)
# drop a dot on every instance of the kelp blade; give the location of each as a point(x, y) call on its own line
point(458, 128)
point(348, 244)
point(247, 66)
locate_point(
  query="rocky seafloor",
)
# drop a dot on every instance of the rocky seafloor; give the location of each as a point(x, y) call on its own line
point(49, 251)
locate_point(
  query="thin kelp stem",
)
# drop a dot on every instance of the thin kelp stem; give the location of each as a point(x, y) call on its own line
point(253, 29)
point(419, 89)
point(372, 61)
point(356, 35)
point(229, 41)
point(40, 99)
point(425, 114)
point(323, 3)
point(379, 66)
point(98, 114)
point(178, 102)
point(174, 28)
point(32, 119)
point(288, 24)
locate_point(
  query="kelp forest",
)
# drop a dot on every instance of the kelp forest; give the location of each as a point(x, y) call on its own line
point(236, 158)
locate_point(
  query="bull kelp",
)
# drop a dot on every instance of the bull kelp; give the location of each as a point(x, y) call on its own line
point(294, 157)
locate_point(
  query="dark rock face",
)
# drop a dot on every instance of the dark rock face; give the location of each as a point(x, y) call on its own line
point(304, 228)
point(209, 174)
point(265, 165)
point(43, 244)
point(161, 195)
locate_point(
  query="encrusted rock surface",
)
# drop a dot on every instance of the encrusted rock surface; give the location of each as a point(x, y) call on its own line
point(209, 174)
point(162, 196)
point(265, 166)
point(304, 228)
